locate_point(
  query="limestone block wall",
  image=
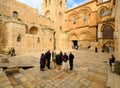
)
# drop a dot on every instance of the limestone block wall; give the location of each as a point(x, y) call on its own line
point(36, 31)
point(84, 35)
point(117, 23)
point(78, 12)
point(3, 41)
point(25, 13)
point(13, 31)
point(86, 28)
point(30, 42)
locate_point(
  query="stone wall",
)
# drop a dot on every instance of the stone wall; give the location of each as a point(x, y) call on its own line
point(35, 31)
point(83, 23)
point(117, 23)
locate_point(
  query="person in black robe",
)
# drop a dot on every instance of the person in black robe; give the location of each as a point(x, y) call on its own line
point(71, 57)
point(48, 57)
point(42, 62)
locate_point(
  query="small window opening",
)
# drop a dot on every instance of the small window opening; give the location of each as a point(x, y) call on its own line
point(19, 38)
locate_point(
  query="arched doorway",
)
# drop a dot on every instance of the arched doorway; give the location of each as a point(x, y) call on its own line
point(73, 41)
point(108, 38)
point(108, 31)
point(75, 44)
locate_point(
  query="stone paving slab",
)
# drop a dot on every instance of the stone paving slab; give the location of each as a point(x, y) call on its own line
point(90, 71)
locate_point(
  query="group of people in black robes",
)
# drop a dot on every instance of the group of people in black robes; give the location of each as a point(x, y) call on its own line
point(57, 59)
point(45, 60)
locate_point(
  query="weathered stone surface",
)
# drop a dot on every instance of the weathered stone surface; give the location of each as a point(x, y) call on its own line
point(4, 60)
point(97, 85)
point(79, 77)
point(13, 69)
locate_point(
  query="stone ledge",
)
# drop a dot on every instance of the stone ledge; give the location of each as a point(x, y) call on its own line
point(117, 67)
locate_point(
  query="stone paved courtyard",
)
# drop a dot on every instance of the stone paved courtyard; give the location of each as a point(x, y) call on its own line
point(91, 70)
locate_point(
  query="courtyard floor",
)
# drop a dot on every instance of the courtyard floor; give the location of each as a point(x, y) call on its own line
point(91, 70)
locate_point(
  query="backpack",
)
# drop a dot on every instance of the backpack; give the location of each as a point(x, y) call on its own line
point(65, 58)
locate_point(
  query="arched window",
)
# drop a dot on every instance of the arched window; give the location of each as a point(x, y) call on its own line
point(60, 3)
point(102, 11)
point(85, 16)
point(107, 31)
point(49, 2)
point(19, 38)
point(101, 1)
point(15, 14)
point(60, 17)
point(47, 14)
point(74, 20)
point(34, 30)
point(45, 2)
point(60, 28)
point(38, 40)
point(105, 0)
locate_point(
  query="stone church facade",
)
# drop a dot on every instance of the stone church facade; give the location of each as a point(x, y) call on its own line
point(22, 28)
point(90, 24)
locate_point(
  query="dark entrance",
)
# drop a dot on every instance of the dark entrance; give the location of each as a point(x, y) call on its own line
point(75, 44)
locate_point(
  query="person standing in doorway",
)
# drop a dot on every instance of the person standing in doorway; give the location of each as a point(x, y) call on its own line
point(96, 49)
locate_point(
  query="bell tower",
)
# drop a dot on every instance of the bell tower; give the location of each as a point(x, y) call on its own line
point(55, 11)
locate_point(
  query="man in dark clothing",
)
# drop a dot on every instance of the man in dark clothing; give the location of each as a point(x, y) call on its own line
point(65, 59)
point(96, 49)
point(111, 60)
point(71, 57)
point(48, 57)
point(58, 61)
point(61, 55)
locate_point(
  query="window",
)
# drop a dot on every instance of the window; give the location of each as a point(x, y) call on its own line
point(38, 40)
point(102, 11)
point(114, 2)
point(15, 14)
point(60, 3)
point(50, 39)
point(101, 1)
point(49, 2)
point(85, 16)
point(60, 28)
point(74, 20)
point(105, 0)
point(107, 31)
point(19, 38)
point(45, 2)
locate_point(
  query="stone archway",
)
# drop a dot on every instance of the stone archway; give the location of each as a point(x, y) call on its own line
point(108, 31)
point(85, 39)
point(33, 30)
point(73, 41)
point(108, 38)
